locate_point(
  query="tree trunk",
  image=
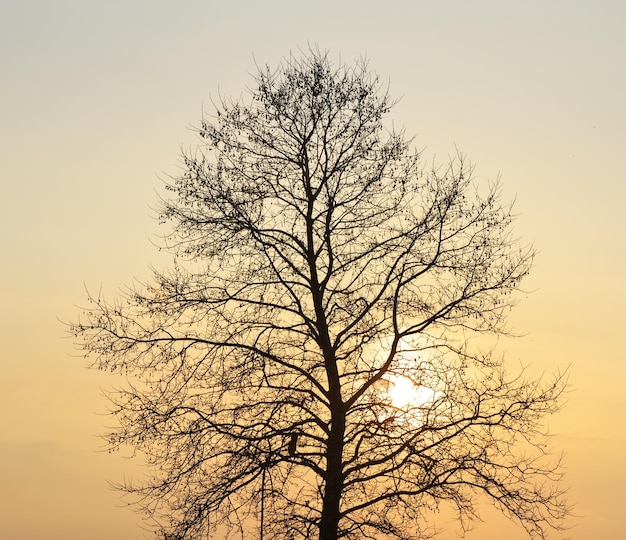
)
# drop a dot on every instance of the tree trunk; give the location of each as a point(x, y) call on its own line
point(329, 523)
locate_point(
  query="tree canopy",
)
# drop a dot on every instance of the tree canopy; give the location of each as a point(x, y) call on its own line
point(318, 264)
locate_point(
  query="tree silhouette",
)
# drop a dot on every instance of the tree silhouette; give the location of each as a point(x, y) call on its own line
point(317, 262)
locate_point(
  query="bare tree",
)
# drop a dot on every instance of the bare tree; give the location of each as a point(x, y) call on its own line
point(318, 263)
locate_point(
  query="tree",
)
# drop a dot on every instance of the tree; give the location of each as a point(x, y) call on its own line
point(317, 264)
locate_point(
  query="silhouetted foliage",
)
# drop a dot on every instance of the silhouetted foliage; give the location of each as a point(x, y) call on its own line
point(317, 262)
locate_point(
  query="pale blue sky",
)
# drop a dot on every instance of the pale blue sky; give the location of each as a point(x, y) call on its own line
point(98, 98)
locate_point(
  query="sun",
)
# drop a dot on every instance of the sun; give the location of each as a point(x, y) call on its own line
point(410, 385)
point(405, 394)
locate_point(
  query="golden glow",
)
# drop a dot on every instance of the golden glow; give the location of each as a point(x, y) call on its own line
point(92, 117)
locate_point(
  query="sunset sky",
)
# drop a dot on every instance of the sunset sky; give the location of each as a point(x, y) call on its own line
point(97, 100)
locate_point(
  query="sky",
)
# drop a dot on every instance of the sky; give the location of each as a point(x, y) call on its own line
point(97, 100)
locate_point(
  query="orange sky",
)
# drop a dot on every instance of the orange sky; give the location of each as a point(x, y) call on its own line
point(97, 99)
